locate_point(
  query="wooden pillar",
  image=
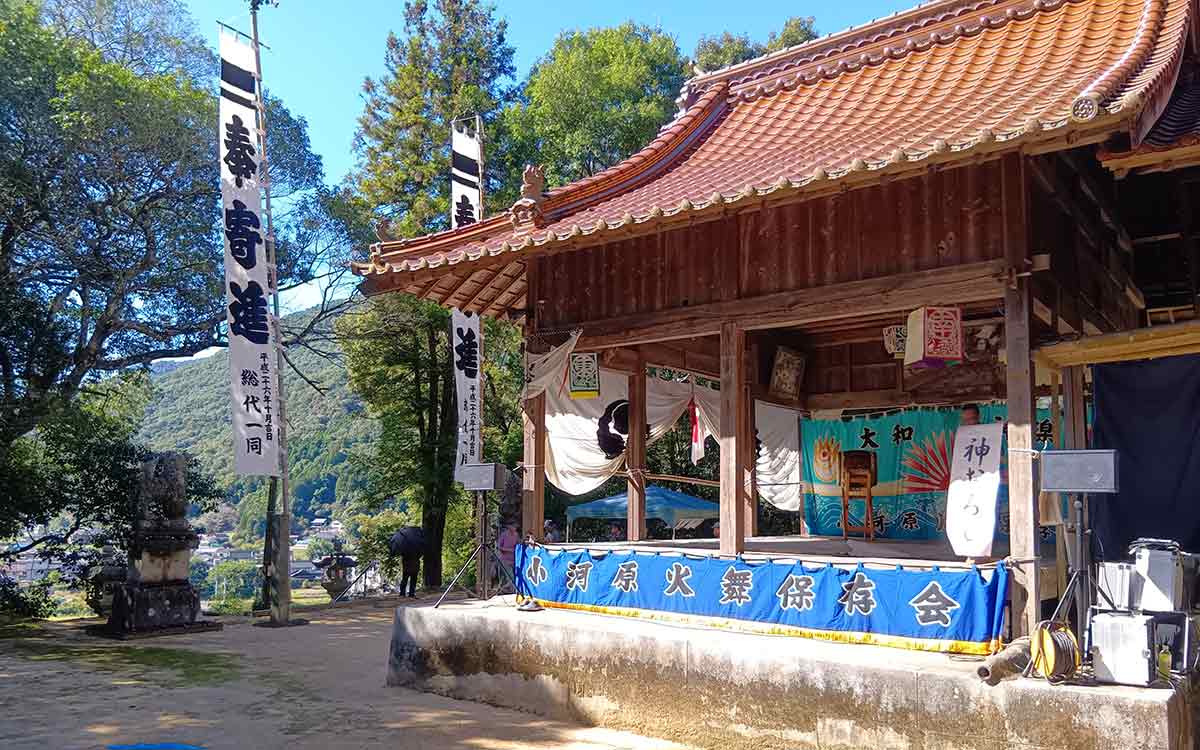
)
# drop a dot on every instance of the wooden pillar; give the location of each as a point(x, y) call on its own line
point(748, 444)
point(1075, 436)
point(1062, 564)
point(635, 456)
point(733, 429)
point(1022, 505)
point(1022, 498)
point(533, 496)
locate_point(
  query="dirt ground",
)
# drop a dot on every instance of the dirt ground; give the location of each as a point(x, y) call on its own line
point(318, 686)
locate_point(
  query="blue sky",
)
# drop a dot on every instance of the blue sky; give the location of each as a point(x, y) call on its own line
point(321, 50)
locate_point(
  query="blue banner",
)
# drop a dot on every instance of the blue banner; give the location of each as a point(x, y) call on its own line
point(928, 610)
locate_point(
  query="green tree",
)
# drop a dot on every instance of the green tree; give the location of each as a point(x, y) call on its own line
point(80, 471)
point(452, 61)
point(720, 51)
point(398, 358)
point(595, 98)
point(109, 247)
point(318, 548)
point(198, 571)
point(235, 579)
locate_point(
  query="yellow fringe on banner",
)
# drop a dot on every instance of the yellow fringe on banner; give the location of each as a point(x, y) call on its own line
point(974, 648)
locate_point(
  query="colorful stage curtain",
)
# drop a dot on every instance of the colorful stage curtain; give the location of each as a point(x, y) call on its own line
point(912, 447)
point(929, 610)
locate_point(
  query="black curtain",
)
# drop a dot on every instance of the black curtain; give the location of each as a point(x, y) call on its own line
point(1149, 412)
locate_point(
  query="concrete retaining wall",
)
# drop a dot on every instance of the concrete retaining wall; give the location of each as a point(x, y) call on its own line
point(714, 689)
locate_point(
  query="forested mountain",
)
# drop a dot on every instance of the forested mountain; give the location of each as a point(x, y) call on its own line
point(326, 431)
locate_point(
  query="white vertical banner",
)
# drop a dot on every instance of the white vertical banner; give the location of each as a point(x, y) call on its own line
point(467, 356)
point(974, 482)
point(247, 278)
point(466, 159)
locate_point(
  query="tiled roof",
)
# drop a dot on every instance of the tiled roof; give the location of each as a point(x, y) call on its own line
point(941, 82)
point(1174, 141)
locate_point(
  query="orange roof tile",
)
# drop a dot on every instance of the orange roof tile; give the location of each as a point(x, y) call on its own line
point(941, 82)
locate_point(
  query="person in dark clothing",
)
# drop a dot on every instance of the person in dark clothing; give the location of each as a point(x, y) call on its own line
point(411, 566)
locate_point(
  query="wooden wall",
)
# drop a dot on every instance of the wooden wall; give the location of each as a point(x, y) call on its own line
point(939, 219)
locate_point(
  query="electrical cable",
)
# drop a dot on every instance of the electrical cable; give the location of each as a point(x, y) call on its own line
point(1055, 652)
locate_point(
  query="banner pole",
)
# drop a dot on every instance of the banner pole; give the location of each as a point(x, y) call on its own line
point(280, 522)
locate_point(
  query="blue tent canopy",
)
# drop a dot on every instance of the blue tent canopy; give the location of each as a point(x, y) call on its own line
point(668, 505)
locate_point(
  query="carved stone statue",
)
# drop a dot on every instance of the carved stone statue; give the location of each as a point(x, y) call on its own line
point(533, 182)
point(527, 212)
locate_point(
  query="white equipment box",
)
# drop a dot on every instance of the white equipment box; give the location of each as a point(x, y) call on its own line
point(1123, 648)
point(1119, 584)
point(1161, 574)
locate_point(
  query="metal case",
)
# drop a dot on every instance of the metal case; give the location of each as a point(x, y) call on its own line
point(1123, 648)
point(1118, 585)
point(1161, 577)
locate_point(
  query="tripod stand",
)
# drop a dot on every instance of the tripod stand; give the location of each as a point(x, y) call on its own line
point(481, 551)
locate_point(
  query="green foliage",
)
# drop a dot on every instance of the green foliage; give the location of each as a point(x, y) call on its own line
point(34, 601)
point(725, 49)
point(231, 606)
point(597, 97)
point(318, 548)
point(198, 572)
point(374, 532)
point(329, 436)
point(81, 470)
point(108, 237)
point(235, 579)
point(70, 605)
point(451, 62)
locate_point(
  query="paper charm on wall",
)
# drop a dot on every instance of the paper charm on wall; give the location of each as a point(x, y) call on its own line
point(935, 337)
point(583, 375)
point(787, 375)
point(893, 340)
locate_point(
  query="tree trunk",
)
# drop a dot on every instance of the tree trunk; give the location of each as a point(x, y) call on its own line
point(433, 521)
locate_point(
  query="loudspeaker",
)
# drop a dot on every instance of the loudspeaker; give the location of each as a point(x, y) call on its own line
point(1079, 471)
point(483, 477)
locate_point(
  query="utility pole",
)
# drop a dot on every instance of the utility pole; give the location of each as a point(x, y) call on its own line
point(277, 546)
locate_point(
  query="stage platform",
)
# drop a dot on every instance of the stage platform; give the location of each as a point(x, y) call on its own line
point(883, 553)
point(736, 691)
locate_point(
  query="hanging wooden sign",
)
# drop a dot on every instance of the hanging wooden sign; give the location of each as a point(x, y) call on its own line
point(893, 340)
point(935, 337)
point(787, 374)
point(583, 376)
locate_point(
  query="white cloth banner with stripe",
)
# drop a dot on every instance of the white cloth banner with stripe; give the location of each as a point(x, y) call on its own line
point(466, 194)
point(585, 438)
point(467, 355)
point(248, 283)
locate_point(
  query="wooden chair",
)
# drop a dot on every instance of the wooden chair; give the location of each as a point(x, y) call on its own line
point(859, 469)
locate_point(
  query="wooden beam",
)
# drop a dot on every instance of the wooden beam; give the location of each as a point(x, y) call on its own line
point(533, 494)
point(466, 305)
point(683, 359)
point(1143, 343)
point(733, 427)
point(635, 458)
point(749, 459)
point(448, 300)
point(955, 285)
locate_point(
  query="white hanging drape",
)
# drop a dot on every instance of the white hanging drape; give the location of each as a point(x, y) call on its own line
point(777, 469)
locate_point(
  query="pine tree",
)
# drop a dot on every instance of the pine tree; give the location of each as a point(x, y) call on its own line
point(453, 61)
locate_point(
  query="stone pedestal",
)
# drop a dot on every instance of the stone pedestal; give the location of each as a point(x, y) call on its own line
point(157, 593)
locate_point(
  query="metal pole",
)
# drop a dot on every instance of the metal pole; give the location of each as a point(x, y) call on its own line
point(281, 522)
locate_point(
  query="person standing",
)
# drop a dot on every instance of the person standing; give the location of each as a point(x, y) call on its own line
point(410, 566)
point(507, 549)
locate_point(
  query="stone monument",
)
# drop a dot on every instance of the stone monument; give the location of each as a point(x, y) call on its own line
point(157, 594)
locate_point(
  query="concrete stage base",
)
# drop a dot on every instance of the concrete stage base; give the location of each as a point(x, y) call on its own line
point(716, 689)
